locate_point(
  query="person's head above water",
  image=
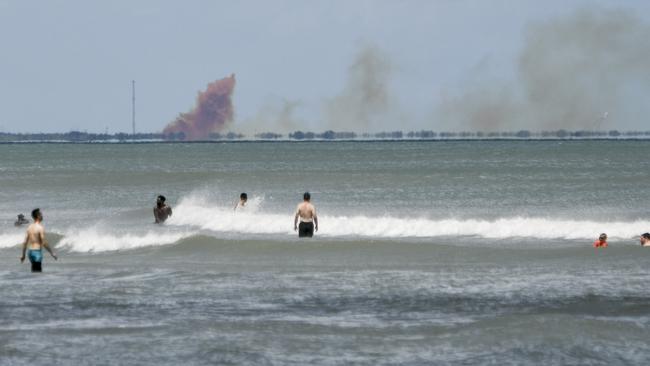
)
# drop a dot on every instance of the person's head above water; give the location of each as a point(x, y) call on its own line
point(37, 215)
point(160, 200)
point(645, 238)
point(306, 196)
point(21, 217)
point(602, 237)
point(243, 197)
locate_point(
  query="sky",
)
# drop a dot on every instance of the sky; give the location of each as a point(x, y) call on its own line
point(439, 64)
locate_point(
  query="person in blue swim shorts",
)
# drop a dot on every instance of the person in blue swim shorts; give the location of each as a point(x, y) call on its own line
point(35, 240)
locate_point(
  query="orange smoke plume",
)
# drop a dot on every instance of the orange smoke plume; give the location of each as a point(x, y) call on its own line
point(213, 111)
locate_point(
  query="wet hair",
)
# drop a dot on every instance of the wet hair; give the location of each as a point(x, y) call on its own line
point(646, 235)
point(243, 196)
point(21, 216)
point(306, 196)
point(36, 213)
point(162, 198)
point(603, 236)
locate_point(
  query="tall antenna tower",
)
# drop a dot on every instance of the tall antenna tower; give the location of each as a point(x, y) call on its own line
point(133, 106)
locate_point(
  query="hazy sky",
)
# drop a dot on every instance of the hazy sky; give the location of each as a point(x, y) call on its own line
point(69, 64)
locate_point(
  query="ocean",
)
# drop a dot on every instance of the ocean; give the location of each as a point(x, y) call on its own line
point(428, 252)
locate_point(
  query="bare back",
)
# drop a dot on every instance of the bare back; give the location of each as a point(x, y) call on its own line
point(35, 236)
point(306, 211)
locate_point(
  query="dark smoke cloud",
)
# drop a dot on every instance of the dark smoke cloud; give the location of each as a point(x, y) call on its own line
point(588, 70)
point(213, 111)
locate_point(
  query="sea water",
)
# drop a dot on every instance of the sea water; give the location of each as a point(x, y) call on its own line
point(455, 252)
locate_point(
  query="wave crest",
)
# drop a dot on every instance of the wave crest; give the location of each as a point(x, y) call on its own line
point(194, 216)
point(254, 221)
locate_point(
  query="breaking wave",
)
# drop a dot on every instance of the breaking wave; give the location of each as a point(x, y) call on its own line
point(193, 217)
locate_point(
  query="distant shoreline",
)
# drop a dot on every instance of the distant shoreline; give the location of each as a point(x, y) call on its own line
point(326, 136)
point(245, 141)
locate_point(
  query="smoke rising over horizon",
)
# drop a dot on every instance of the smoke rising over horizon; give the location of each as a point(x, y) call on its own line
point(276, 115)
point(213, 112)
point(364, 103)
point(584, 71)
point(366, 100)
point(588, 70)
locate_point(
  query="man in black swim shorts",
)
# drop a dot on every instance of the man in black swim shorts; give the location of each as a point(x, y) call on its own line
point(306, 212)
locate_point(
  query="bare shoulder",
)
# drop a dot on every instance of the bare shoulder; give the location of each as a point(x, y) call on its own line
point(38, 228)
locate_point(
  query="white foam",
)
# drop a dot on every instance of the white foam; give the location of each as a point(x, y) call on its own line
point(94, 240)
point(192, 212)
point(197, 216)
point(8, 240)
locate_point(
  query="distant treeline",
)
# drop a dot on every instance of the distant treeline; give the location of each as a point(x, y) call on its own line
point(430, 135)
point(78, 136)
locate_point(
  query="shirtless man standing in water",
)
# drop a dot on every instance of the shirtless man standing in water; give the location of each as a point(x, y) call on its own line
point(35, 238)
point(308, 219)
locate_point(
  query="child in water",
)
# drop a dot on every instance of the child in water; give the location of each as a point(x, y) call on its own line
point(601, 242)
point(243, 198)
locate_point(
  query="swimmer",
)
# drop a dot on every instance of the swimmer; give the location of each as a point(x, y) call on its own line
point(161, 212)
point(35, 239)
point(308, 219)
point(21, 220)
point(243, 198)
point(645, 240)
point(601, 242)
